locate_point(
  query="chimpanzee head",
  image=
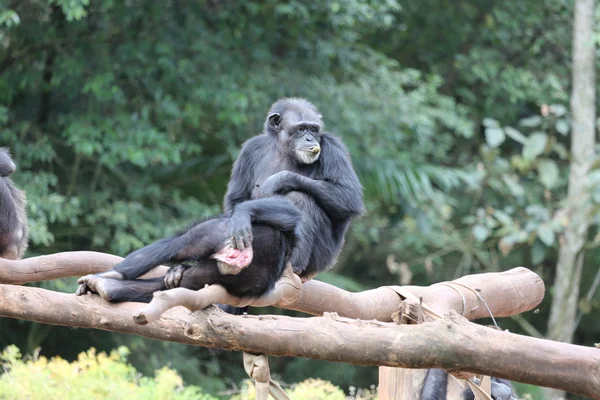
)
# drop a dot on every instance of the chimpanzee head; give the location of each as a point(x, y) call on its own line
point(7, 166)
point(297, 124)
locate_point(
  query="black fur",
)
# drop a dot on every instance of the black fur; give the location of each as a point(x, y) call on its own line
point(434, 386)
point(436, 381)
point(291, 196)
point(13, 218)
point(327, 191)
point(273, 236)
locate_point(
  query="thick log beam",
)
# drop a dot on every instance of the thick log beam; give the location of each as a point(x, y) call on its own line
point(451, 343)
point(506, 293)
point(60, 265)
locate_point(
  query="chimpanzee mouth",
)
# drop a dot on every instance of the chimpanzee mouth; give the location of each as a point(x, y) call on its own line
point(312, 149)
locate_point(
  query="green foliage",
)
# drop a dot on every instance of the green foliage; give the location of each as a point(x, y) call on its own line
point(73, 9)
point(519, 188)
point(124, 119)
point(529, 392)
point(92, 376)
point(310, 389)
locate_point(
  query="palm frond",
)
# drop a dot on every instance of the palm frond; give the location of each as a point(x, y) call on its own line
point(399, 180)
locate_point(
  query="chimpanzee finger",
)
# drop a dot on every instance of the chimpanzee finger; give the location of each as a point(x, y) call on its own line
point(238, 240)
point(241, 245)
point(173, 277)
point(233, 241)
point(178, 277)
point(168, 280)
point(248, 238)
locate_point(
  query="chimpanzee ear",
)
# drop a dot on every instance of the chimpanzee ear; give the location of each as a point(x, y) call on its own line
point(274, 120)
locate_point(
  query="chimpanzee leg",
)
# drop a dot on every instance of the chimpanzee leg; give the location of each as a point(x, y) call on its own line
point(194, 277)
point(277, 212)
point(203, 273)
point(302, 247)
point(206, 238)
point(116, 291)
point(198, 242)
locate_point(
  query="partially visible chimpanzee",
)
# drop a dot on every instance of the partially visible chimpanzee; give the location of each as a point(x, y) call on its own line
point(14, 233)
point(436, 382)
point(291, 197)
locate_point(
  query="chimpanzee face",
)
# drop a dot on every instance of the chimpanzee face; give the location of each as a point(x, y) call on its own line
point(298, 126)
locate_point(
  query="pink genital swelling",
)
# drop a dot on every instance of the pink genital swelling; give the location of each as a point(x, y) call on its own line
point(234, 258)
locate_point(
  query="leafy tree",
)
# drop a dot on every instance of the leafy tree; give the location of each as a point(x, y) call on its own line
point(125, 118)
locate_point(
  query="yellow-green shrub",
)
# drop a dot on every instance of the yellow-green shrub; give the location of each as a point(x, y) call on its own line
point(92, 376)
point(310, 389)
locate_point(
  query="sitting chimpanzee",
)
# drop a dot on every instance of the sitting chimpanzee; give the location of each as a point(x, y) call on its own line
point(13, 218)
point(291, 197)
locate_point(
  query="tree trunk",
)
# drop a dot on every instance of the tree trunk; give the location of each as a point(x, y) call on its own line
point(561, 325)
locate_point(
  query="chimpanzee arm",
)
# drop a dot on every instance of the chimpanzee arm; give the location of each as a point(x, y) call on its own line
point(241, 183)
point(275, 211)
point(336, 190)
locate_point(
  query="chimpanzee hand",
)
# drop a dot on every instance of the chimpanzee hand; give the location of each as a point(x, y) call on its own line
point(174, 276)
point(240, 231)
point(277, 183)
point(501, 390)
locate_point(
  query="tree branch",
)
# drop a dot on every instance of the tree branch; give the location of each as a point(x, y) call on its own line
point(60, 265)
point(451, 343)
point(506, 293)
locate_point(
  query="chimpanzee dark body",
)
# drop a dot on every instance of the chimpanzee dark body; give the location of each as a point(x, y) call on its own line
point(436, 382)
point(13, 218)
point(327, 192)
point(291, 196)
point(274, 223)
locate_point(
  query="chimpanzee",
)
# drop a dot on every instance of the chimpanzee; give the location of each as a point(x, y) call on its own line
point(312, 169)
point(291, 197)
point(436, 382)
point(14, 233)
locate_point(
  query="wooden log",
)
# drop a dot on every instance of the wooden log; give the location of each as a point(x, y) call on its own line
point(506, 293)
point(451, 343)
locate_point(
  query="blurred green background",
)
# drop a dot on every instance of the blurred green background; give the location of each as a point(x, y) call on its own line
point(124, 118)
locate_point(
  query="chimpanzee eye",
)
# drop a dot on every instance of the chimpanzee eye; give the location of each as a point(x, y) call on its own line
point(314, 129)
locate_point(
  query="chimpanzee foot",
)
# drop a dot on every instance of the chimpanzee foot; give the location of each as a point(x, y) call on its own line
point(84, 288)
point(231, 260)
point(173, 277)
point(97, 284)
